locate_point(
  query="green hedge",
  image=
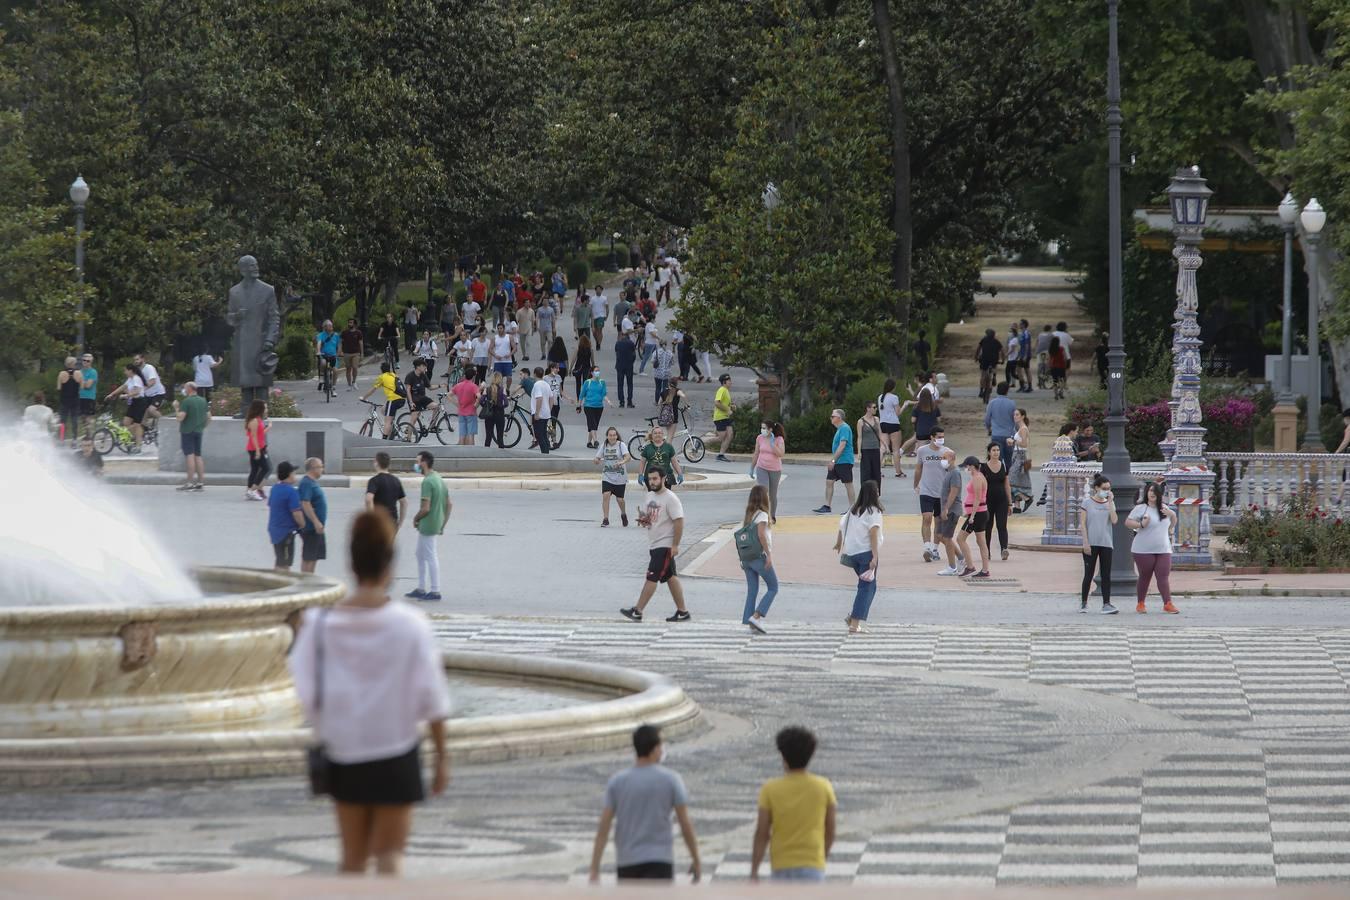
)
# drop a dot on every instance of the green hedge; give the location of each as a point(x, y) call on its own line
point(295, 357)
point(578, 273)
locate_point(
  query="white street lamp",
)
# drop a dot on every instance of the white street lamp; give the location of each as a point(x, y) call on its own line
point(1288, 216)
point(79, 195)
point(1314, 218)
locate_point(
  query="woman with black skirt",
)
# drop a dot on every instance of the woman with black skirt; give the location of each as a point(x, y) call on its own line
point(1000, 497)
point(869, 445)
point(368, 673)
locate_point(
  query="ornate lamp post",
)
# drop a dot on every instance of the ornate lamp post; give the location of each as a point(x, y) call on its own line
point(79, 195)
point(1286, 411)
point(1313, 219)
point(1116, 460)
point(770, 384)
point(1188, 478)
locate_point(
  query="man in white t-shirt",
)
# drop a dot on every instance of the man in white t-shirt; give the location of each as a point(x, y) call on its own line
point(154, 387)
point(541, 409)
point(662, 515)
point(471, 311)
point(1066, 342)
point(599, 314)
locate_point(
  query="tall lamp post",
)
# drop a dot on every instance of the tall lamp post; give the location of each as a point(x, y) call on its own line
point(1116, 460)
point(79, 195)
point(770, 383)
point(1313, 219)
point(613, 258)
point(1188, 479)
point(1286, 411)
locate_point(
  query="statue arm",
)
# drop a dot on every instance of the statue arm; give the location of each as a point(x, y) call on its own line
point(272, 326)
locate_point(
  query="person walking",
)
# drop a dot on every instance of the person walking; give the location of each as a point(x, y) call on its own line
point(770, 448)
point(314, 505)
point(671, 407)
point(583, 364)
point(492, 410)
point(284, 516)
point(541, 410)
point(858, 543)
point(525, 316)
point(948, 517)
point(501, 350)
point(1097, 516)
point(889, 410)
point(625, 356)
point(546, 322)
point(1019, 467)
point(411, 318)
point(1066, 344)
point(925, 418)
point(663, 362)
point(934, 458)
point(797, 811)
point(193, 416)
point(757, 560)
point(594, 397)
point(353, 350)
point(976, 507)
point(995, 474)
point(722, 420)
point(68, 382)
point(1059, 366)
point(999, 423)
point(368, 673)
point(1011, 348)
point(840, 467)
point(663, 516)
point(613, 456)
point(255, 444)
point(466, 403)
point(385, 491)
point(651, 339)
point(88, 392)
point(659, 454)
point(1024, 357)
point(433, 512)
point(581, 313)
point(1153, 523)
point(870, 442)
point(599, 315)
point(639, 803)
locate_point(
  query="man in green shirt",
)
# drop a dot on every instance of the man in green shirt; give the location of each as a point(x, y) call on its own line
point(430, 524)
point(192, 415)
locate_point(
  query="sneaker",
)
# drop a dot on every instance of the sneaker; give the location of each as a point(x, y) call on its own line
point(1169, 608)
point(431, 595)
point(950, 570)
point(624, 519)
point(967, 571)
point(1139, 608)
point(1005, 555)
point(721, 457)
point(928, 555)
point(185, 486)
point(821, 510)
point(679, 616)
point(1082, 607)
point(604, 523)
point(416, 594)
point(980, 575)
point(199, 486)
point(757, 625)
point(632, 613)
point(960, 562)
point(1109, 610)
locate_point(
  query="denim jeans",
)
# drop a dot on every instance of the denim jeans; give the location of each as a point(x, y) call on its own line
point(801, 873)
point(754, 571)
point(647, 351)
point(862, 601)
point(661, 385)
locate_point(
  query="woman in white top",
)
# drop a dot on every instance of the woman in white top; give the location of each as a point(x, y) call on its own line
point(428, 348)
point(137, 403)
point(1019, 464)
point(889, 411)
point(368, 673)
point(757, 514)
point(613, 455)
point(202, 376)
point(1153, 522)
point(859, 544)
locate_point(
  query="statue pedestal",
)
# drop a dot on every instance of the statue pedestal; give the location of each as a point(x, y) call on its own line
point(1286, 428)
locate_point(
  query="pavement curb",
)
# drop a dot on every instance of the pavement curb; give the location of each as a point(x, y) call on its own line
point(712, 481)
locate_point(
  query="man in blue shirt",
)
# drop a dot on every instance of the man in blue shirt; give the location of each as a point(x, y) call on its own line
point(1024, 358)
point(326, 343)
point(284, 517)
point(840, 467)
point(998, 417)
point(314, 505)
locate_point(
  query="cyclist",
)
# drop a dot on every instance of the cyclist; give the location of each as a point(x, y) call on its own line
point(326, 343)
point(389, 340)
point(417, 384)
point(134, 390)
point(393, 396)
point(154, 392)
point(988, 354)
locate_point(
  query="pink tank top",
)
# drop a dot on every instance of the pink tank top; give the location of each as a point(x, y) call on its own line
point(261, 443)
point(971, 504)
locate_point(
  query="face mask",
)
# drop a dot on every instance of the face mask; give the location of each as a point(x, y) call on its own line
point(939, 441)
point(417, 468)
point(764, 432)
point(945, 463)
point(595, 374)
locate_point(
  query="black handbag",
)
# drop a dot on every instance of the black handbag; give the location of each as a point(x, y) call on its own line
point(316, 760)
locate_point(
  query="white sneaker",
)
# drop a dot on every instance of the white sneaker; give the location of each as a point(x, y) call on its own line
point(757, 625)
point(950, 570)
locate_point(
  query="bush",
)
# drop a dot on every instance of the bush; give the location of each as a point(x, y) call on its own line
point(280, 405)
point(600, 262)
point(461, 294)
point(1297, 534)
point(1229, 422)
point(578, 273)
point(296, 355)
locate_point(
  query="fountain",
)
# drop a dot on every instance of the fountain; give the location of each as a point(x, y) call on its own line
point(117, 668)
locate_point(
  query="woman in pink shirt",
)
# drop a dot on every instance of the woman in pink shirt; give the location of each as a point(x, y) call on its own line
point(770, 446)
point(976, 506)
point(466, 396)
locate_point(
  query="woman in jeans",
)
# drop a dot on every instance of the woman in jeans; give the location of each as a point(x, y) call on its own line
point(858, 542)
point(770, 446)
point(493, 403)
point(1000, 497)
point(255, 442)
point(757, 514)
point(1095, 522)
point(368, 673)
point(1153, 523)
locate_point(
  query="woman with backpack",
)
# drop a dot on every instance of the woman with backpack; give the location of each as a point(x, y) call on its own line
point(668, 411)
point(754, 546)
point(858, 543)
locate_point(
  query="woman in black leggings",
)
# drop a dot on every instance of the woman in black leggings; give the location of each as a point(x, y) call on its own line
point(1095, 522)
point(1000, 497)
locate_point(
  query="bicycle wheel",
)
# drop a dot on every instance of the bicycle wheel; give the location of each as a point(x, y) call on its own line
point(406, 432)
point(443, 430)
point(511, 433)
point(694, 449)
point(103, 442)
point(555, 434)
point(635, 445)
point(367, 428)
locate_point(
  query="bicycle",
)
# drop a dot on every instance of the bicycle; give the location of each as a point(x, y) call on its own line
point(442, 425)
point(693, 449)
point(374, 423)
point(109, 432)
point(327, 376)
point(390, 354)
point(519, 421)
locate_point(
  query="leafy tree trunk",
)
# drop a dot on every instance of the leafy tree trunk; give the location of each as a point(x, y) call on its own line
point(901, 212)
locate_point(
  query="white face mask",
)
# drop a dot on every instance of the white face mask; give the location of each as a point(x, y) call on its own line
point(945, 463)
point(417, 468)
point(939, 442)
point(764, 432)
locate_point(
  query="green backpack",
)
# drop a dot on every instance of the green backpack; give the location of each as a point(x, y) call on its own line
point(748, 547)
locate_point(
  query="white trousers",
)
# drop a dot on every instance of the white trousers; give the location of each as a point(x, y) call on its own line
point(428, 565)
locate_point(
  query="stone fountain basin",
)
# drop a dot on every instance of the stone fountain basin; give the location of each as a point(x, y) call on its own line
point(170, 693)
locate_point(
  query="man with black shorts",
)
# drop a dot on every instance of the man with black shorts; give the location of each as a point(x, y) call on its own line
point(314, 505)
point(935, 458)
point(417, 382)
point(840, 467)
point(663, 516)
point(154, 392)
point(948, 518)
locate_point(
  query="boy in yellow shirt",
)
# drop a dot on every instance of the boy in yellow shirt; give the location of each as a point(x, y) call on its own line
point(796, 814)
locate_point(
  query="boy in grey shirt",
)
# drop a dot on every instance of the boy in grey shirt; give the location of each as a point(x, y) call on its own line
point(639, 802)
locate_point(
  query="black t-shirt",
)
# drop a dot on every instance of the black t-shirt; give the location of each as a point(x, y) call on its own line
point(386, 491)
point(351, 340)
point(388, 331)
point(417, 384)
point(990, 347)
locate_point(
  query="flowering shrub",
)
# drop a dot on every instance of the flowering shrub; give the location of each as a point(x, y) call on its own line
point(1228, 422)
point(280, 405)
point(1299, 533)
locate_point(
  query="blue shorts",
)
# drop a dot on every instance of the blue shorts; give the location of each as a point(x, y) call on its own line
point(505, 368)
point(468, 426)
point(191, 443)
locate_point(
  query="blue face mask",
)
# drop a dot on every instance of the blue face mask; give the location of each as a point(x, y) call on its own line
point(417, 468)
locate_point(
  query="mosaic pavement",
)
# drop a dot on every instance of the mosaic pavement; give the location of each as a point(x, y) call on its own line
point(1089, 753)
